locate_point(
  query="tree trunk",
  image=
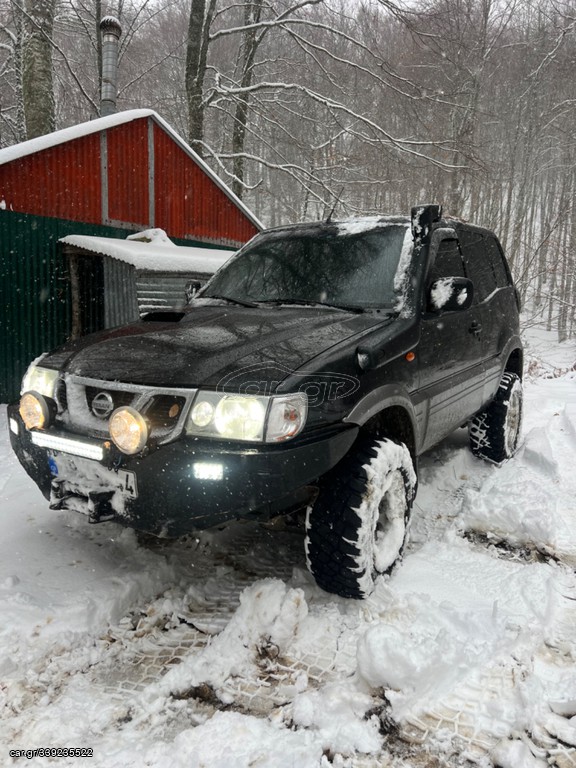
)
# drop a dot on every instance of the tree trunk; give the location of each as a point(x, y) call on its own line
point(37, 85)
point(252, 15)
point(201, 15)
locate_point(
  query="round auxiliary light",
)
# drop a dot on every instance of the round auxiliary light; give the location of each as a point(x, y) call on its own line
point(34, 410)
point(128, 430)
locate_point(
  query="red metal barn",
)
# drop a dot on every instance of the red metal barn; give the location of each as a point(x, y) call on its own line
point(110, 177)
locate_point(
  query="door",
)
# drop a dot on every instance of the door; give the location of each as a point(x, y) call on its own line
point(451, 370)
point(489, 300)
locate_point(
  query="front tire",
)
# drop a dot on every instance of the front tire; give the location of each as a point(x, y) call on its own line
point(357, 527)
point(494, 433)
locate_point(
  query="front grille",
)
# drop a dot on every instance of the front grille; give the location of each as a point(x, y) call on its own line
point(60, 396)
point(87, 405)
point(119, 398)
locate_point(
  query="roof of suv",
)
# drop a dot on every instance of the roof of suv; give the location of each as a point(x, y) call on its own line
point(350, 226)
point(358, 224)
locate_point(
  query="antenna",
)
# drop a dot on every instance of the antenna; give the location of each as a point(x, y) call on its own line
point(338, 198)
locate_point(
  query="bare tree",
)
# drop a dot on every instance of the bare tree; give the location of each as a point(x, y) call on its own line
point(12, 121)
point(201, 15)
point(37, 81)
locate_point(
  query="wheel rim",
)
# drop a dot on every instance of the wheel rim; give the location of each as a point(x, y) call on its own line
point(390, 528)
point(513, 421)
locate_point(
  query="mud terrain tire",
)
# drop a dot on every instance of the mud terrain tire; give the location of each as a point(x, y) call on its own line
point(357, 527)
point(494, 433)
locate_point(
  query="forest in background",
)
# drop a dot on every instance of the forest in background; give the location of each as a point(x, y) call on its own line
point(361, 106)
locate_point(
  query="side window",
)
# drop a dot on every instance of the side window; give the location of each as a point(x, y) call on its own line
point(447, 262)
point(496, 259)
point(478, 264)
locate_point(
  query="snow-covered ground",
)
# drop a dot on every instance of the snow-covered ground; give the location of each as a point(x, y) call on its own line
point(221, 652)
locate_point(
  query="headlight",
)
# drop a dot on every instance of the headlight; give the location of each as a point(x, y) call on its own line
point(41, 380)
point(247, 417)
point(240, 418)
point(35, 410)
point(128, 429)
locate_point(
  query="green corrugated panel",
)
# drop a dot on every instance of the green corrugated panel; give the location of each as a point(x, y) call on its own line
point(34, 290)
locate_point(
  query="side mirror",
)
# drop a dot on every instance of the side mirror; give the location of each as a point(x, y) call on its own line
point(192, 288)
point(450, 294)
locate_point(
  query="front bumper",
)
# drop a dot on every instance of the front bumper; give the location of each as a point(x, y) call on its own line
point(161, 492)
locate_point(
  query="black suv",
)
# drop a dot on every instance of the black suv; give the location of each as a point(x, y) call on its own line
point(310, 372)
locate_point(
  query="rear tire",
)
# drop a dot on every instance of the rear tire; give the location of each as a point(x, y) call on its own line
point(495, 433)
point(358, 525)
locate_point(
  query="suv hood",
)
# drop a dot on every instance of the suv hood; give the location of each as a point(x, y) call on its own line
point(213, 345)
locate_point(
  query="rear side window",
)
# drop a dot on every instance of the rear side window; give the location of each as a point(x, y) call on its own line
point(447, 262)
point(496, 258)
point(479, 265)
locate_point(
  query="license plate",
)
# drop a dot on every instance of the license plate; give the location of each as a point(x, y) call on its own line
point(128, 482)
point(85, 476)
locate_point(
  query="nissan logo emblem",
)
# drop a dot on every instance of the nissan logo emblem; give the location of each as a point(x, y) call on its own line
point(102, 405)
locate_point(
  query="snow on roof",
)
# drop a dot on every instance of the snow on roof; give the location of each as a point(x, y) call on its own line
point(359, 224)
point(30, 147)
point(152, 250)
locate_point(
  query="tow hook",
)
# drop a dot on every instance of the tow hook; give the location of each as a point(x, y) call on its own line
point(58, 495)
point(99, 507)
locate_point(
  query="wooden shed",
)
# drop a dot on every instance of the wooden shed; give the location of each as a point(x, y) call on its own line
point(109, 177)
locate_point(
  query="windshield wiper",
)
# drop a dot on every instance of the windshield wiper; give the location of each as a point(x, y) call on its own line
point(306, 303)
point(240, 302)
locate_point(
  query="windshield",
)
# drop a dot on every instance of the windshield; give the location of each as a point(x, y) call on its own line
point(354, 271)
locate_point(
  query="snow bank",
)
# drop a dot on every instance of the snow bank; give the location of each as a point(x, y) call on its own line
point(542, 477)
point(453, 611)
point(269, 613)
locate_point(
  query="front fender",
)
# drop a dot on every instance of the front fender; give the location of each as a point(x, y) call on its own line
point(387, 396)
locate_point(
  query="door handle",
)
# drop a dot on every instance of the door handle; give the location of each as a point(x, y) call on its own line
point(475, 328)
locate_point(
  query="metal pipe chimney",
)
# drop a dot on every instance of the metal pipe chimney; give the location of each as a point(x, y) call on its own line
point(111, 31)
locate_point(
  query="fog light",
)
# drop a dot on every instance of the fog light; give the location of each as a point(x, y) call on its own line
point(202, 414)
point(128, 429)
point(34, 410)
point(205, 470)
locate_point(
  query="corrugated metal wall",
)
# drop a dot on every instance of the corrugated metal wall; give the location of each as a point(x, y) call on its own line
point(128, 179)
point(157, 291)
point(192, 205)
point(60, 182)
point(34, 290)
point(133, 175)
point(120, 298)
